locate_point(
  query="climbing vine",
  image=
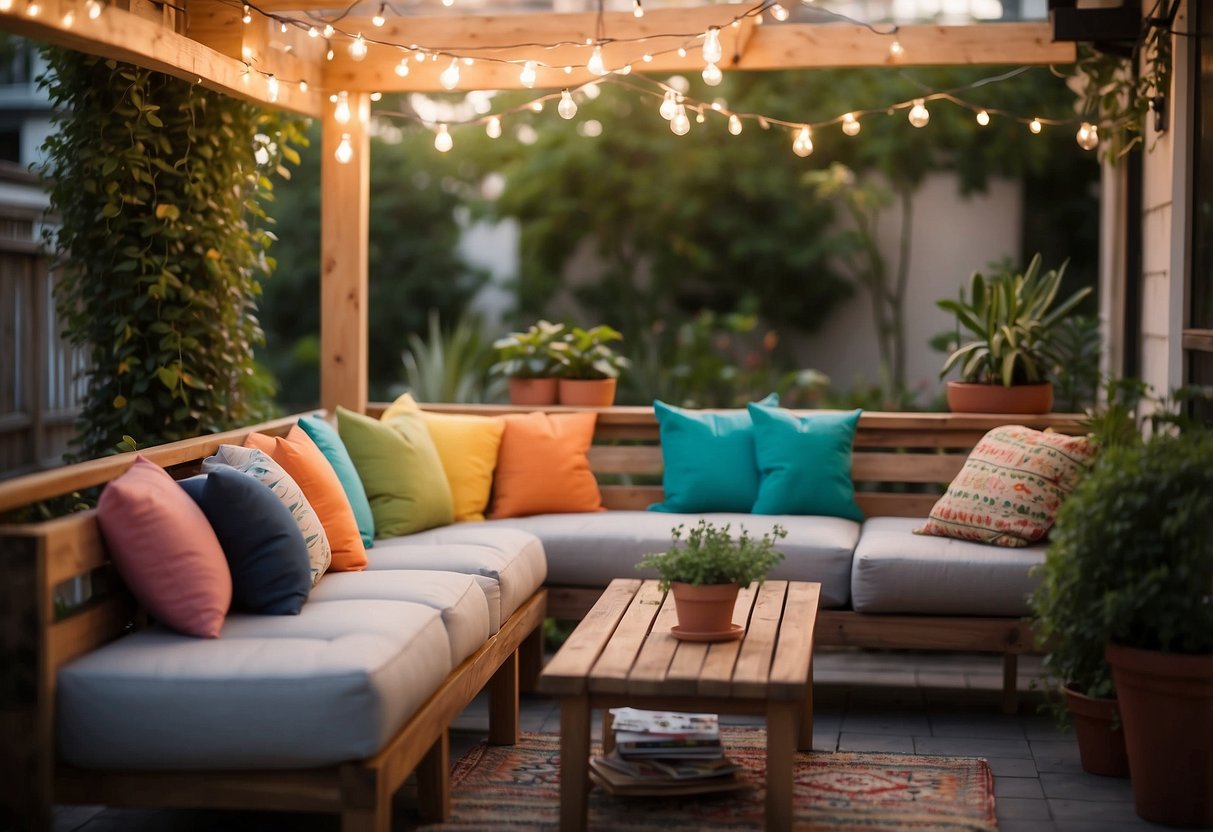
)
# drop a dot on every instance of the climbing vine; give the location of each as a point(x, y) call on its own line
point(162, 241)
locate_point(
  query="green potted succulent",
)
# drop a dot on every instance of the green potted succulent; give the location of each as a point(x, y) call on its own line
point(589, 366)
point(1003, 335)
point(705, 572)
point(530, 360)
point(1133, 555)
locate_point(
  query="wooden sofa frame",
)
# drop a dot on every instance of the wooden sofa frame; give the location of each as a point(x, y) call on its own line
point(37, 558)
point(902, 463)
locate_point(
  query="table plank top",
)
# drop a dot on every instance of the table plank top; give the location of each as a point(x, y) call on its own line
point(624, 647)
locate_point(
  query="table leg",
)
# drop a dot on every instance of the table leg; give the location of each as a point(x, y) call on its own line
point(806, 715)
point(781, 755)
point(608, 732)
point(574, 762)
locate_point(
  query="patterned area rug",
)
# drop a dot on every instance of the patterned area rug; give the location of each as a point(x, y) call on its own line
point(519, 788)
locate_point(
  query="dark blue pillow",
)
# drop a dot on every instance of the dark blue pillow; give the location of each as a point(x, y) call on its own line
point(271, 574)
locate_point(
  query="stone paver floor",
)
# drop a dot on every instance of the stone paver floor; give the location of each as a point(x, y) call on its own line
point(865, 701)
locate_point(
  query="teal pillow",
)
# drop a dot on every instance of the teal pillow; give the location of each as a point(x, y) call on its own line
point(805, 463)
point(708, 459)
point(329, 442)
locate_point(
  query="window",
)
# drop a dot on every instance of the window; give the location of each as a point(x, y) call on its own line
point(1198, 327)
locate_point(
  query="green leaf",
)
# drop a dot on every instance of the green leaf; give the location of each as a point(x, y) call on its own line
point(168, 376)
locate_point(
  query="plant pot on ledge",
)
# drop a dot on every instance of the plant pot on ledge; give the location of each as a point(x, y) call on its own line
point(1101, 738)
point(533, 392)
point(975, 397)
point(591, 392)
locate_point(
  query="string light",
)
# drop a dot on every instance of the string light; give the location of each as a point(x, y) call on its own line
point(358, 48)
point(669, 105)
point(282, 28)
point(271, 88)
point(803, 143)
point(450, 76)
point(595, 64)
point(341, 113)
point(378, 20)
point(637, 9)
point(248, 15)
point(345, 150)
point(69, 17)
point(528, 75)
point(682, 52)
point(94, 9)
point(448, 3)
point(735, 125)
point(1035, 126)
point(567, 108)
point(313, 32)
point(33, 9)
point(6, 5)
point(1088, 136)
point(493, 128)
point(680, 125)
point(712, 53)
point(442, 139)
point(983, 118)
point(329, 30)
point(896, 50)
point(537, 106)
point(700, 118)
point(303, 86)
point(330, 54)
point(712, 76)
point(376, 96)
point(780, 13)
point(919, 116)
point(647, 58)
point(850, 125)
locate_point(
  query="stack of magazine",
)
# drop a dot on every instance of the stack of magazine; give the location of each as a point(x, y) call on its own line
point(665, 753)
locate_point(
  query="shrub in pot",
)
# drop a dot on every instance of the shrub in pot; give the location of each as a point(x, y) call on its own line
point(705, 572)
point(529, 359)
point(589, 366)
point(1139, 530)
point(1003, 334)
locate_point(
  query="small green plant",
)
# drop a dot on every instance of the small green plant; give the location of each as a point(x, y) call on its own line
point(586, 354)
point(711, 555)
point(449, 366)
point(532, 353)
point(1010, 321)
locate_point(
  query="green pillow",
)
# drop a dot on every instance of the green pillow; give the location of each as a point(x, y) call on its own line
point(400, 470)
point(708, 457)
point(329, 442)
point(805, 462)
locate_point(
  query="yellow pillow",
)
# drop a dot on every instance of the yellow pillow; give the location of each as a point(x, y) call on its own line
point(467, 446)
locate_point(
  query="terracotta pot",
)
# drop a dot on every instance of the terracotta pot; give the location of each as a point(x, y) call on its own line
point(706, 609)
point(533, 391)
point(1101, 738)
point(594, 392)
point(1166, 702)
point(967, 397)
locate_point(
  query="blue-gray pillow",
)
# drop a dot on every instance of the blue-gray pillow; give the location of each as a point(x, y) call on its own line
point(265, 551)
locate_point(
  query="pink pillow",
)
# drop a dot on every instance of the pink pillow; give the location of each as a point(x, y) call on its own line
point(165, 550)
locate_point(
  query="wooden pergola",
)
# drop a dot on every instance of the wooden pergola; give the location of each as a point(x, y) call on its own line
point(208, 42)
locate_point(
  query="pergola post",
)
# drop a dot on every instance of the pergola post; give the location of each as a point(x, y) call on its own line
point(344, 241)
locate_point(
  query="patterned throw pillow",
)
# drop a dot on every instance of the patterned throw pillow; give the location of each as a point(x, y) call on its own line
point(1010, 487)
point(257, 464)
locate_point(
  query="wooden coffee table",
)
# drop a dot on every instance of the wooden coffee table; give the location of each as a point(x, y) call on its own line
point(622, 654)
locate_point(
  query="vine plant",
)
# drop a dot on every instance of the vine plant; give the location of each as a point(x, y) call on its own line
point(160, 186)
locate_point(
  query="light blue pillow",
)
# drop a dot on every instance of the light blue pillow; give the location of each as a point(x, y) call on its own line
point(805, 462)
point(328, 440)
point(708, 459)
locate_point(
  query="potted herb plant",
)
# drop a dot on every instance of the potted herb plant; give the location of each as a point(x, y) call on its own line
point(589, 366)
point(529, 359)
point(1003, 334)
point(1138, 532)
point(705, 572)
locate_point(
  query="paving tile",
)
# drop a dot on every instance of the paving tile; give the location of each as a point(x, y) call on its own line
point(1056, 755)
point(1119, 811)
point(1021, 808)
point(1134, 824)
point(1083, 786)
point(983, 681)
point(1023, 825)
point(1011, 767)
point(1044, 727)
point(1017, 787)
point(939, 679)
point(848, 741)
point(972, 747)
point(906, 724)
point(825, 740)
point(990, 726)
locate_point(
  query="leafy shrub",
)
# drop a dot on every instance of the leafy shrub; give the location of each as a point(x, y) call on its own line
point(711, 555)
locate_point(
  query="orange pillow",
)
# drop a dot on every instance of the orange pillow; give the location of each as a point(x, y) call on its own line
point(306, 464)
point(542, 466)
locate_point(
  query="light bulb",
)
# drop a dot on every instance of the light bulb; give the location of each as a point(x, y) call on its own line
point(442, 140)
point(303, 86)
point(983, 118)
point(567, 108)
point(448, 3)
point(680, 125)
point(282, 28)
point(450, 76)
point(6, 5)
point(669, 105)
point(329, 30)
point(313, 32)
point(248, 15)
point(712, 53)
point(271, 88)
point(402, 68)
point(528, 74)
point(537, 106)
point(341, 113)
point(712, 76)
point(345, 150)
point(896, 50)
point(33, 9)
point(851, 125)
point(802, 145)
point(330, 54)
point(493, 128)
point(637, 9)
point(1088, 136)
point(591, 91)
point(735, 125)
point(1035, 126)
point(357, 48)
point(376, 96)
point(378, 20)
point(568, 70)
point(647, 58)
point(919, 116)
point(779, 13)
point(682, 52)
point(700, 118)
point(94, 9)
point(69, 17)
point(595, 63)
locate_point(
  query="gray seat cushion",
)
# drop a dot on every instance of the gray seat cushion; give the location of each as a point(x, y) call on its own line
point(513, 559)
point(898, 571)
point(331, 684)
point(591, 549)
point(457, 598)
